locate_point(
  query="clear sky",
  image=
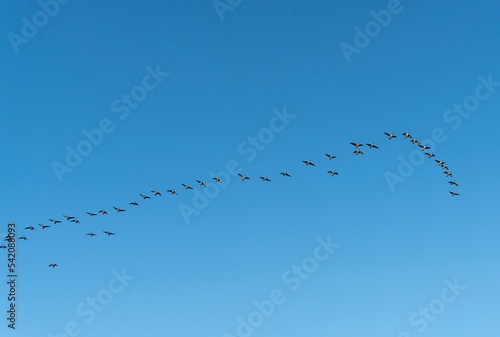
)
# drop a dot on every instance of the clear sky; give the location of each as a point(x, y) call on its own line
point(171, 92)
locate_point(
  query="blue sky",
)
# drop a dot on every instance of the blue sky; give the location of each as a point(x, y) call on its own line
point(230, 75)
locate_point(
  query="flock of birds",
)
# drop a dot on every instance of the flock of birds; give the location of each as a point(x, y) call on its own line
point(357, 151)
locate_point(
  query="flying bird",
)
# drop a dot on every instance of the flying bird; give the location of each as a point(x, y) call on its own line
point(119, 209)
point(201, 183)
point(109, 233)
point(357, 144)
point(30, 228)
point(187, 187)
point(217, 180)
point(453, 183)
point(285, 174)
point(3, 247)
point(358, 152)
point(134, 203)
point(53, 265)
point(454, 193)
point(43, 227)
point(415, 141)
point(243, 177)
point(144, 196)
point(55, 221)
point(308, 162)
point(23, 238)
point(91, 214)
point(407, 135)
point(91, 234)
point(430, 154)
point(440, 162)
point(68, 217)
point(448, 174)
point(424, 147)
point(372, 146)
point(445, 167)
point(103, 212)
point(76, 220)
point(333, 173)
point(172, 191)
point(390, 135)
point(330, 156)
point(156, 192)
point(265, 179)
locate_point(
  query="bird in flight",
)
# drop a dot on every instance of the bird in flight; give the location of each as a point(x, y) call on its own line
point(144, 196)
point(217, 180)
point(156, 192)
point(30, 228)
point(440, 162)
point(407, 135)
point(265, 179)
point(118, 209)
point(372, 146)
point(358, 152)
point(134, 203)
point(424, 147)
point(53, 265)
point(23, 238)
point(285, 174)
point(448, 174)
point(43, 227)
point(55, 221)
point(187, 187)
point(3, 247)
point(172, 191)
point(454, 193)
point(430, 154)
point(201, 183)
point(91, 214)
point(445, 167)
point(91, 234)
point(330, 156)
point(390, 135)
point(68, 217)
point(103, 212)
point(109, 233)
point(76, 220)
point(243, 177)
point(308, 162)
point(415, 141)
point(453, 183)
point(333, 173)
point(357, 144)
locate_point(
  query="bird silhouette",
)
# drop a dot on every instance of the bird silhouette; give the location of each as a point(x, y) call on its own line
point(372, 146)
point(103, 212)
point(91, 214)
point(357, 144)
point(390, 135)
point(144, 196)
point(68, 217)
point(243, 177)
point(201, 183)
point(76, 220)
point(285, 174)
point(53, 265)
point(358, 152)
point(308, 162)
point(454, 193)
point(187, 187)
point(453, 183)
point(43, 227)
point(330, 156)
point(430, 154)
point(109, 233)
point(30, 228)
point(119, 209)
point(265, 179)
point(407, 135)
point(333, 173)
point(424, 147)
point(91, 234)
point(134, 203)
point(172, 192)
point(217, 180)
point(156, 192)
point(55, 221)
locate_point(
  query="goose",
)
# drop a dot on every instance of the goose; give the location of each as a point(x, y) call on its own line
point(217, 180)
point(358, 152)
point(53, 265)
point(407, 135)
point(55, 221)
point(76, 220)
point(448, 174)
point(430, 154)
point(453, 183)
point(118, 209)
point(109, 233)
point(265, 179)
point(454, 193)
point(390, 135)
point(330, 156)
point(30, 228)
point(156, 192)
point(91, 214)
point(172, 191)
point(3, 247)
point(103, 212)
point(243, 177)
point(333, 173)
point(91, 234)
point(372, 146)
point(308, 162)
point(444, 167)
point(415, 141)
point(43, 227)
point(68, 217)
point(134, 203)
point(285, 174)
point(201, 183)
point(23, 238)
point(187, 187)
point(424, 147)
point(357, 144)
point(144, 196)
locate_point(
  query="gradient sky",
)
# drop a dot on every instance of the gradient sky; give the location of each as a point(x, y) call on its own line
point(398, 248)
